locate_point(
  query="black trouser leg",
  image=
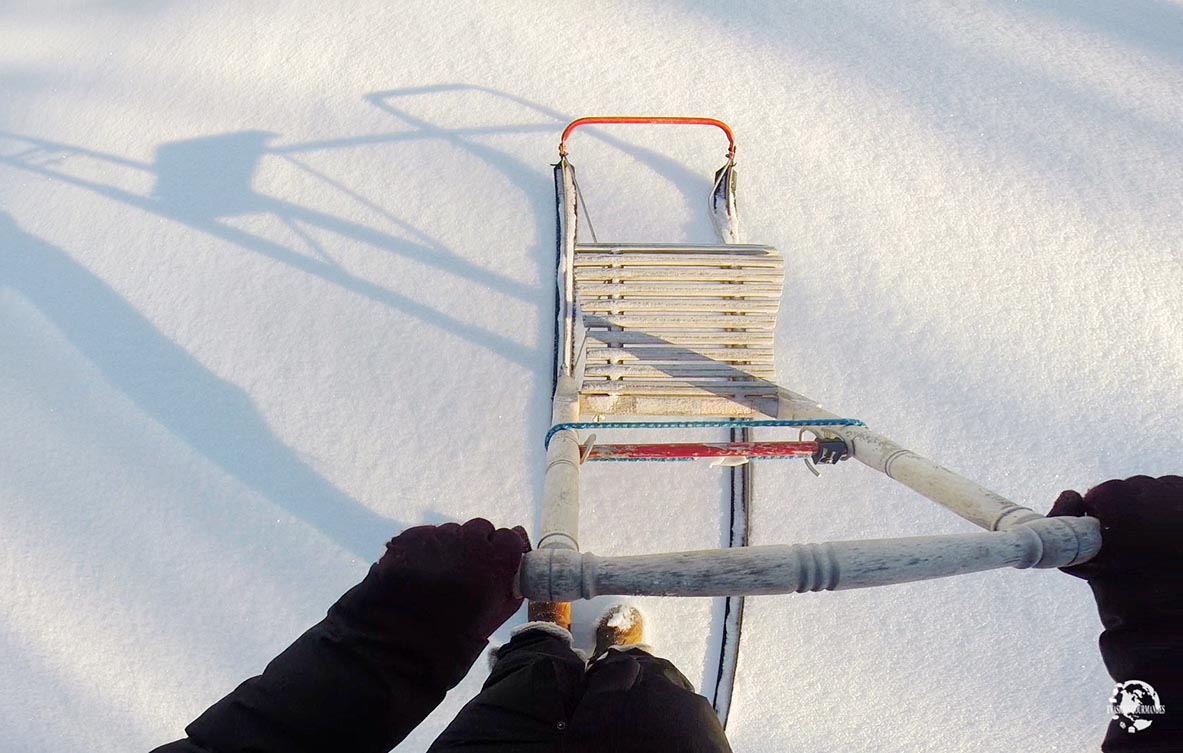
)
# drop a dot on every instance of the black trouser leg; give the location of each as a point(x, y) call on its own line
point(531, 693)
point(638, 702)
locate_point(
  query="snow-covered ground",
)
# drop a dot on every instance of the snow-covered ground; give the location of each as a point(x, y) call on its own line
point(275, 283)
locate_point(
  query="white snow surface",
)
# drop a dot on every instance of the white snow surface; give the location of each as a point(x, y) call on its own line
point(276, 281)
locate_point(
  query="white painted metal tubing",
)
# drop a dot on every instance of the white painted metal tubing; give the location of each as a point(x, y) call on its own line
point(970, 500)
point(567, 210)
point(560, 487)
point(564, 575)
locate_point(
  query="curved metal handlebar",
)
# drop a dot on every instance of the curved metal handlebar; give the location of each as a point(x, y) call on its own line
point(635, 120)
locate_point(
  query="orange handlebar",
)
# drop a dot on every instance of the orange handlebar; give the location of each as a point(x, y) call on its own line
point(617, 120)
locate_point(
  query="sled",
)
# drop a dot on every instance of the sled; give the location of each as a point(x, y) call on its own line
point(666, 337)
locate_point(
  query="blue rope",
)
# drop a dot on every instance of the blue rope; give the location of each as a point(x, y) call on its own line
point(741, 423)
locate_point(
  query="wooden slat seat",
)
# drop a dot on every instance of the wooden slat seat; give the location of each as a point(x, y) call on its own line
point(678, 329)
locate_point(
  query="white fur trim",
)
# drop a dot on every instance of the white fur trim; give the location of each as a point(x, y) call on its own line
point(491, 656)
point(638, 646)
point(547, 627)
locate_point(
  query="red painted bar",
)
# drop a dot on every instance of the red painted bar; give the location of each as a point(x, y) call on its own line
point(647, 120)
point(702, 450)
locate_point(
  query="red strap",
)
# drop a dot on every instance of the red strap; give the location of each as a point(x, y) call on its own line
point(702, 450)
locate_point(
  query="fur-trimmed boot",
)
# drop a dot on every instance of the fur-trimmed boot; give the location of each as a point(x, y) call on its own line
point(621, 626)
point(558, 612)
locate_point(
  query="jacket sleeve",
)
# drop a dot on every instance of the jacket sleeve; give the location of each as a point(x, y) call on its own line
point(1143, 642)
point(357, 682)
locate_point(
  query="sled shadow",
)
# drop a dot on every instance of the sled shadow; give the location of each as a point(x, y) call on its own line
point(205, 411)
point(203, 183)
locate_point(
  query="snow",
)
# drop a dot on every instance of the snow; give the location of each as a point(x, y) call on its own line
point(275, 283)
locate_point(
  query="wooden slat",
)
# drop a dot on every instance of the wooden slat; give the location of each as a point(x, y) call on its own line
point(671, 305)
point(737, 261)
point(676, 354)
point(685, 248)
point(650, 384)
point(755, 289)
point(670, 387)
point(687, 370)
point(676, 274)
point(678, 340)
point(681, 321)
point(657, 405)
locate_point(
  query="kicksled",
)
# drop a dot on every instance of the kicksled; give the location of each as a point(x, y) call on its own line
point(665, 338)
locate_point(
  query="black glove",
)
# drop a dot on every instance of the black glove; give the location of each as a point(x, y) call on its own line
point(388, 651)
point(1137, 580)
point(1141, 527)
point(464, 574)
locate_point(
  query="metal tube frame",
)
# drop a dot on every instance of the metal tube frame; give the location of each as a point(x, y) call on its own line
point(557, 571)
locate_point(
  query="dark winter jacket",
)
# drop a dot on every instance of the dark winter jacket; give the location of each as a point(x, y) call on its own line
point(364, 677)
point(540, 698)
point(1143, 642)
point(1137, 579)
point(357, 682)
point(343, 688)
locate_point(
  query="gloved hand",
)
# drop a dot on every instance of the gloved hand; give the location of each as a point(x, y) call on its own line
point(388, 651)
point(1137, 580)
point(453, 578)
point(466, 571)
point(1141, 526)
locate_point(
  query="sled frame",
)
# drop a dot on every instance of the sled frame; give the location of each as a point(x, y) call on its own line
point(558, 571)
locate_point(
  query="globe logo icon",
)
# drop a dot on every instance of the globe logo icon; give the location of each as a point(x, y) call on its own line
point(1133, 703)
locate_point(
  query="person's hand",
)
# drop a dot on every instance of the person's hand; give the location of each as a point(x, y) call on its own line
point(386, 653)
point(458, 579)
point(1141, 526)
point(1137, 581)
point(459, 569)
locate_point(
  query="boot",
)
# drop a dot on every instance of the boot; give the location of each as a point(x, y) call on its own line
point(558, 612)
point(621, 625)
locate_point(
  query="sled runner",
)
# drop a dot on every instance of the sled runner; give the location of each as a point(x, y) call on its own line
point(667, 337)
